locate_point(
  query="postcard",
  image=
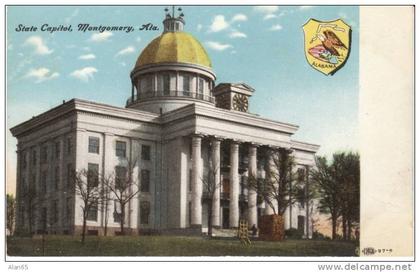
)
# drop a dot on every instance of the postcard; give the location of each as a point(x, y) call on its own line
point(259, 132)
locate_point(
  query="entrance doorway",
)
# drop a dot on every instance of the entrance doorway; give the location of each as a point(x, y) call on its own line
point(225, 223)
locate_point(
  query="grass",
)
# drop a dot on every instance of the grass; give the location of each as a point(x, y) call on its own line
point(171, 246)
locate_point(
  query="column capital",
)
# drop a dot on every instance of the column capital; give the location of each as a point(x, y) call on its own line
point(216, 140)
point(197, 135)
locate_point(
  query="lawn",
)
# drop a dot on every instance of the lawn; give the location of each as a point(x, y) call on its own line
point(171, 246)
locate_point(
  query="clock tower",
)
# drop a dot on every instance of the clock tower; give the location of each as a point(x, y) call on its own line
point(233, 96)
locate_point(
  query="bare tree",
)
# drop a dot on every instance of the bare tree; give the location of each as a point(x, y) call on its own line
point(123, 187)
point(11, 213)
point(87, 188)
point(32, 203)
point(211, 187)
point(105, 198)
point(280, 187)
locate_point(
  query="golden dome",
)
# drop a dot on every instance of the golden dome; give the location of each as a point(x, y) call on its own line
point(174, 47)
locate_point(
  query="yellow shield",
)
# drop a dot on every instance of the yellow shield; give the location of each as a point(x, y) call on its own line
point(327, 44)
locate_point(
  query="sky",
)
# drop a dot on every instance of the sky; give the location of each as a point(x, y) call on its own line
point(258, 45)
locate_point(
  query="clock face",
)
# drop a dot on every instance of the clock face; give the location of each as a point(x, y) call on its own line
point(240, 102)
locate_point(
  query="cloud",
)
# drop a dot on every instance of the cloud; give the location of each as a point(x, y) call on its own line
point(84, 74)
point(239, 18)
point(87, 57)
point(237, 34)
point(218, 46)
point(219, 23)
point(266, 9)
point(269, 16)
point(138, 39)
point(41, 74)
point(276, 27)
point(125, 51)
point(199, 27)
point(101, 37)
point(39, 45)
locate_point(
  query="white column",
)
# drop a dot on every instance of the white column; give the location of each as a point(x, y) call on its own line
point(234, 185)
point(215, 156)
point(107, 170)
point(252, 194)
point(197, 185)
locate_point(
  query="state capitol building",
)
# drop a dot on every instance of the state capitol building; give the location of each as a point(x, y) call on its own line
point(176, 125)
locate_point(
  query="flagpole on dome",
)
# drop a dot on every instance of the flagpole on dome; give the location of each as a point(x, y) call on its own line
point(173, 23)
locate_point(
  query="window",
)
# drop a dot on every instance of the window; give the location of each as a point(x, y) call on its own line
point(117, 212)
point(186, 84)
point(120, 149)
point(69, 175)
point(301, 224)
point(44, 154)
point(44, 181)
point(92, 214)
point(144, 212)
point(201, 86)
point(57, 150)
point(149, 83)
point(33, 157)
point(93, 175)
point(145, 181)
point(69, 146)
point(166, 84)
point(120, 177)
point(94, 145)
point(145, 152)
point(56, 177)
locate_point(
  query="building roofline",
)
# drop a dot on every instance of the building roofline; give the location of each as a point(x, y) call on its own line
point(75, 105)
point(308, 147)
point(229, 115)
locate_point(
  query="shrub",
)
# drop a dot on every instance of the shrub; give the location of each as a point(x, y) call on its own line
point(293, 233)
point(319, 236)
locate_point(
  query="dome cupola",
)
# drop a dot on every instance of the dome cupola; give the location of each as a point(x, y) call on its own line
point(173, 70)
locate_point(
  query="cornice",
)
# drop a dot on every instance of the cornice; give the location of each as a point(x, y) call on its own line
point(77, 105)
point(228, 115)
point(312, 148)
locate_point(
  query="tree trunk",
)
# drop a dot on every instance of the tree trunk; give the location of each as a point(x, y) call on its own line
point(106, 218)
point(210, 220)
point(348, 229)
point(334, 227)
point(344, 225)
point(84, 227)
point(122, 219)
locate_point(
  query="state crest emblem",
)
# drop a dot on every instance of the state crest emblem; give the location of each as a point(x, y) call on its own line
point(327, 44)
